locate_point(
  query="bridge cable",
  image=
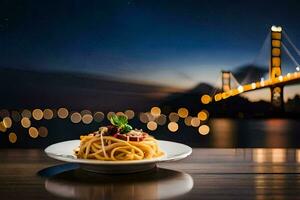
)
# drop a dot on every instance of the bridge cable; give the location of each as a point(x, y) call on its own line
point(291, 43)
point(235, 80)
point(262, 48)
point(255, 60)
point(214, 91)
point(290, 55)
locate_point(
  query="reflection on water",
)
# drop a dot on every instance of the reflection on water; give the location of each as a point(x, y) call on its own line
point(155, 184)
point(274, 133)
point(224, 131)
point(276, 130)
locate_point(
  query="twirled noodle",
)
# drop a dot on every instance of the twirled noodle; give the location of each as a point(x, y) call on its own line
point(101, 147)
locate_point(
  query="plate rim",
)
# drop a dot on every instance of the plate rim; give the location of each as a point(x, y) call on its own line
point(165, 158)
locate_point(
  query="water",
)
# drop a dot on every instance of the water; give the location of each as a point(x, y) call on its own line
point(224, 133)
point(255, 133)
point(234, 133)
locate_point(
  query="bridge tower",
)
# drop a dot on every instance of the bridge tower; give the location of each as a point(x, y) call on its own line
point(226, 81)
point(275, 68)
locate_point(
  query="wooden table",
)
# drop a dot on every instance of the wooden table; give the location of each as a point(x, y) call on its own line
point(206, 174)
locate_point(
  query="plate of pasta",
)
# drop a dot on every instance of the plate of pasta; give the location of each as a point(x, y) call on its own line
point(117, 148)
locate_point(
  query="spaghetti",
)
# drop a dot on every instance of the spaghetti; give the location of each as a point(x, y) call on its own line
point(101, 147)
point(110, 144)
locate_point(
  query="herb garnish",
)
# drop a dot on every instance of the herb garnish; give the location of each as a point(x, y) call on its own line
point(121, 122)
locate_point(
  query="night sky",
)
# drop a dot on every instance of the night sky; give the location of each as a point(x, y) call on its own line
point(177, 43)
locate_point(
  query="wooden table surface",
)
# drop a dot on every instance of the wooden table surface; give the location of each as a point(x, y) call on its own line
point(206, 174)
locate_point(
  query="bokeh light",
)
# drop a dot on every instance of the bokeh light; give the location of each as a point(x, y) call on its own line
point(152, 125)
point(2, 127)
point(15, 115)
point(75, 117)
point(62, 113)
point(7, 122)
point(12, 137)
point(203, 129)
point(109, 115)
point(206, 111)
point(120, 114)
point(205, 99)
point(98, 116)
point(218, 97)
point(161, 120)
point(85, 111)
point(25, 122)
point(143, 117)
point(155, 111)
point(48, 114)
point(183, 112)
point(33, 132)
point(43, 131)
point(37, 114)
point(4, 113)
point(151, 117)
point(54, 111)
point(173, 126)
point(202, 115)
point(195, 122)
point(26, 113)
point(129, 114)
point(173, 117)
point(87, 118)
point(188, 120)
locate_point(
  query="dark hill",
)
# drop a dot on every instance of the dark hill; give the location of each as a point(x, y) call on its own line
point(249, 73)
point(29, 89)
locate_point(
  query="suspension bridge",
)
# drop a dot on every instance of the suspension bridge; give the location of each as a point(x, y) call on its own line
point(276, 80)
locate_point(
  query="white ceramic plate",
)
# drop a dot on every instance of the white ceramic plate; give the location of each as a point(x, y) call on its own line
point(64, 151)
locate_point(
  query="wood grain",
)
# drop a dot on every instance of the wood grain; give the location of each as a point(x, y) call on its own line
point(214, 173)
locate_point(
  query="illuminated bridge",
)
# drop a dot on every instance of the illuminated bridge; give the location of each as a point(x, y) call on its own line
point(276, 80)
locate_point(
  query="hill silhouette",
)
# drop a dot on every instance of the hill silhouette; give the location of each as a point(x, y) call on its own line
point(29, 89)
point(249, 73)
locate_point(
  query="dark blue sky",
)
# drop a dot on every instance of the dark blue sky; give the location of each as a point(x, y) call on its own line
point(167, 42)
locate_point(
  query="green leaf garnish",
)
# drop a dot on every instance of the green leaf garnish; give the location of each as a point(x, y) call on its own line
point(121, 122)
point(127, 128)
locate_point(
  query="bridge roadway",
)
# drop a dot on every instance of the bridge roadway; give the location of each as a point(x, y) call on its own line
point(289, 79)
